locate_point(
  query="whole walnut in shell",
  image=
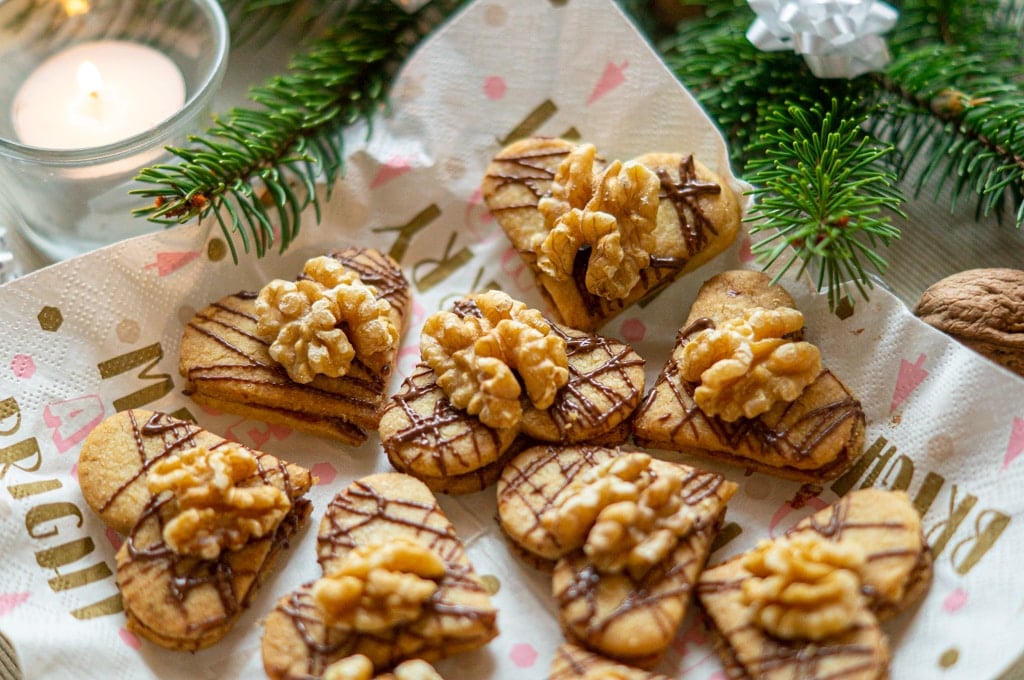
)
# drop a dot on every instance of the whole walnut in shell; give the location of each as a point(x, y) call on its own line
point(983, 309)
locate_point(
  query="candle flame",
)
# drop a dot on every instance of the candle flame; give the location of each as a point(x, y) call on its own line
point(90, 81)
point(75, 7)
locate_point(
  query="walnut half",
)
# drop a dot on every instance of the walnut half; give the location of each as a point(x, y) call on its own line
point(803, 587)
point(214, 513)
point(614, 212)
point(322, 322)
point(379, 586)
point(480, 360)
point(626, 516)
point(745, 366)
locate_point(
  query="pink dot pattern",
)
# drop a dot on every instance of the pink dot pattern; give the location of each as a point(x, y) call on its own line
point(523, 655)
point(22, 366)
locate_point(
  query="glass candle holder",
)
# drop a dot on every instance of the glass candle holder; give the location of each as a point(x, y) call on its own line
point(91, 92)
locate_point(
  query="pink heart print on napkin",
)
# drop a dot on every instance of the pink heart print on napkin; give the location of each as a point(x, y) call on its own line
point(909, 377)
point(11, 601)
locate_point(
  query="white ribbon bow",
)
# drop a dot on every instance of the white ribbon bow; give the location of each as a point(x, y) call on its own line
point(837, 38)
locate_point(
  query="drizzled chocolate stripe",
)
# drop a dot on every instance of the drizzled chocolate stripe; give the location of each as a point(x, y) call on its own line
point(795, 442)
point(533, 171)
point(572, 403)
point(426, 430)
point(685, 197)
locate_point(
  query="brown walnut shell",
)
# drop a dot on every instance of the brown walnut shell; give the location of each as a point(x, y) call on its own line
point(983, 309)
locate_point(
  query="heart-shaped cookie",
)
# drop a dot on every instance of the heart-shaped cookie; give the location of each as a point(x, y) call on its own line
point(172, 596)
point(629, 535)
point(600, 236)
point(572, 662)
point(454, 451)
point(814, 435)
point(811, 609)
point(228, 365)
point(373, 514)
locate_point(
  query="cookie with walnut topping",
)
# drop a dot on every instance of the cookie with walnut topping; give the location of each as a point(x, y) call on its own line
point(397, 584)
point(315, 354)
point(627, 534)
point(808, 604)
point(743, 387)
point(572, 662)
point(601, 235)
point(496, 375)
point(205, 520)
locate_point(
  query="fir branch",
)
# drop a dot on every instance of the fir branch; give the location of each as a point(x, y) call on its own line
point(253, 20)
point(987, 27)
point(824, 188)
point(255, 163)
point(947, 105)
point(825, 195)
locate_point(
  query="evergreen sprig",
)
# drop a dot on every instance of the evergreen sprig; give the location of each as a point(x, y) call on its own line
point(824, 195)
point(826, 157)
point(950, 103)
point(258, 162)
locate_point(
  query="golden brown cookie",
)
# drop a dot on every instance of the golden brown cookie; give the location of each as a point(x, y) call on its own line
point(175, 592)
point(632, 615)
point(813, 433)
point(572, 662)
point(636, 228)
point(228, 365)
point(808, 604)
point(428, 438)
point(372, 515)
point(458, 442)
point(529, 485)
point(629, 534)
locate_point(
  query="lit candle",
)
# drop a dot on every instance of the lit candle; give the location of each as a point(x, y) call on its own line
point(96, 93)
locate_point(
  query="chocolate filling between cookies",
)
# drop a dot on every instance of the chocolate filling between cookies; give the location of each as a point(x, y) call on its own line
point(754, 434)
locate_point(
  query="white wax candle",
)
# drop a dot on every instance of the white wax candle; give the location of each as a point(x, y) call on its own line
point(96, 93)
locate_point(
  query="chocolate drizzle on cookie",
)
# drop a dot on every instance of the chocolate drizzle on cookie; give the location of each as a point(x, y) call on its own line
point(685, 194)
point(533, 171)
point(795, 433)
point(184, 580)
point(231, 324)
point(526, 483)
point(599, 397)
point(448, 625)
point(815, 437)
point(444, 433)
point(585, 597)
